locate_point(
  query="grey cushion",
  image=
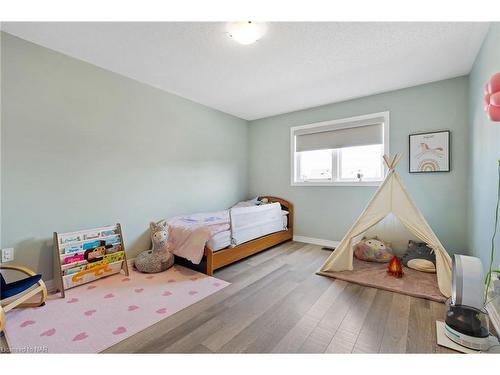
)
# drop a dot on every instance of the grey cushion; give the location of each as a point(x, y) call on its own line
point(418, 250)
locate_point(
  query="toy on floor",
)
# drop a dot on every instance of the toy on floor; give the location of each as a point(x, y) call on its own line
point(159, 258)
point(422, 265)
point(395, 268)
point(420, 257)
point(373, 250)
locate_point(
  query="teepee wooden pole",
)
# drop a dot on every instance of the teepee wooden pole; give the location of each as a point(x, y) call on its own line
point(387, 161)
point(392, 162)
point(396, 160)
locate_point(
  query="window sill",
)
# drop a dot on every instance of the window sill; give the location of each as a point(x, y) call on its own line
point(347, 183)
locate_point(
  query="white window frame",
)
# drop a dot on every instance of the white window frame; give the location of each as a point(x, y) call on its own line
point(350, 122)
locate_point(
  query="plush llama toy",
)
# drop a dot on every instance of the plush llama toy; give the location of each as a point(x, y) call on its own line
point(159, 258)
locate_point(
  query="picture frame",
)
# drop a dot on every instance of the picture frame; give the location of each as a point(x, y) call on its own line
point(429, 152)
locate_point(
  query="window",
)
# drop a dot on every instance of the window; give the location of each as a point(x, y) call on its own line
point(340, 152)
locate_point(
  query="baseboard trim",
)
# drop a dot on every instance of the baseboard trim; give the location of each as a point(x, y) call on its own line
point(50, 285)
point(316, 241)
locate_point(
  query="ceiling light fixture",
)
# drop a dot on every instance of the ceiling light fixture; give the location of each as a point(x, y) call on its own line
point(247, 32)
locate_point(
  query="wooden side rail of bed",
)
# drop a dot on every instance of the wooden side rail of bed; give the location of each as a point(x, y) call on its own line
point(221, 258)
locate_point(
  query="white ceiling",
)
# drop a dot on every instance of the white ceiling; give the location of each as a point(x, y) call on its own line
point(294, 66)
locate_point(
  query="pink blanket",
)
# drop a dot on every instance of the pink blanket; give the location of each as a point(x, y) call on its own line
point(189, 234)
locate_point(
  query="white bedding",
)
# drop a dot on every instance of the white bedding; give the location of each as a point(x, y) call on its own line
point(220, 240)
point(248, 223)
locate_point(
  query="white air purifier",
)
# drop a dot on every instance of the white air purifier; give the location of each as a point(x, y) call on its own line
point(466, 320)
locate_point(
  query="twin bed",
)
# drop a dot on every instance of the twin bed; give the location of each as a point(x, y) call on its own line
point(252, 229)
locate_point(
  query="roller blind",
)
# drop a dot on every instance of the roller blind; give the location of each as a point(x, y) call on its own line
point(327, 137)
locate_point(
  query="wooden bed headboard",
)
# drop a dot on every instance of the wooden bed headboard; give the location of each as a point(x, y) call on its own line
point(285, 205)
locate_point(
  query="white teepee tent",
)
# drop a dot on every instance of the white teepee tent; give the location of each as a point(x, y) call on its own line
point(392, 197)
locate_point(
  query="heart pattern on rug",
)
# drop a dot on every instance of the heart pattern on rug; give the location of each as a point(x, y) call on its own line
point(48, 332)
point(119, 331)
point(81, 336)
point(27, 323)
point(216, 285)
point(122, 305)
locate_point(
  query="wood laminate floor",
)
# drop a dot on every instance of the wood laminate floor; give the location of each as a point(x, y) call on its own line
point(277, 304)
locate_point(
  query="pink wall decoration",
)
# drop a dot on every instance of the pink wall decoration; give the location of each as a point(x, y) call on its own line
point(492, 98)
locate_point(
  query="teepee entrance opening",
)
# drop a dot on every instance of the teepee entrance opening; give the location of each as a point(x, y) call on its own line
point(392, 200)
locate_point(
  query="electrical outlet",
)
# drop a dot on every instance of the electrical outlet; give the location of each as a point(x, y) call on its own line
point(7, 254)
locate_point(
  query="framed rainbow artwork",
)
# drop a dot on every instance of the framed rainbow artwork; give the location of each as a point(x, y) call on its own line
point(429, 152)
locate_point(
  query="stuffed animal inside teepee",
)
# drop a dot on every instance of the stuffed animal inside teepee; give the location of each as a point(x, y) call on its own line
point(159, 258)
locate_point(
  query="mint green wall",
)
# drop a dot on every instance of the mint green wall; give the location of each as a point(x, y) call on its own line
point(146, 154)
point(328, 212)
point(485, 151)
point(83, 147)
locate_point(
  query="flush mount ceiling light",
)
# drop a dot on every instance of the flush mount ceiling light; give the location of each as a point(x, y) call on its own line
point(247, 32)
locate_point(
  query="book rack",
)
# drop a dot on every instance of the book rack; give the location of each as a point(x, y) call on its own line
point(88, 255)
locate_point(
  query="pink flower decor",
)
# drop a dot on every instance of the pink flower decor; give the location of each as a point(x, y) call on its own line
point(492, 98)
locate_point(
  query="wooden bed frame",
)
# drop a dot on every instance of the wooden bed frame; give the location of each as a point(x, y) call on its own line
point(221, 258)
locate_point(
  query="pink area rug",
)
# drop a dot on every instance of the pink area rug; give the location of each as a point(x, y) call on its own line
point(413, 283)
point(100, 314)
